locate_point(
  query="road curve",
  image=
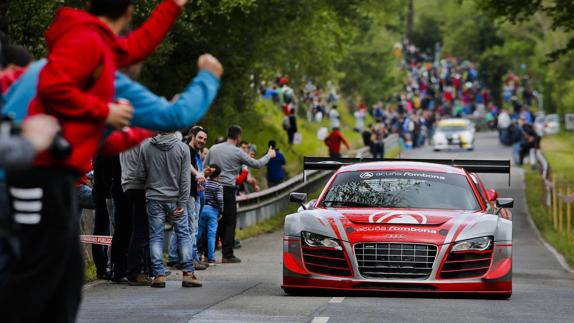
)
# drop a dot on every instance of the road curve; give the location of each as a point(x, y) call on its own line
point(250, 291)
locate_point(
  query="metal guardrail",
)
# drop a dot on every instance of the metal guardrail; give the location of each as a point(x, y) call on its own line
point(537, 159)
point(391, 142)
point(255, 207)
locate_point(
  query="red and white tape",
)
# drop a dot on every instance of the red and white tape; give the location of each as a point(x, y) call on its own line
point(102, 240)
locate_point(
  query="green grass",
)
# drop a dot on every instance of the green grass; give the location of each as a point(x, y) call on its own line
point(89, 271)
point(559, 151)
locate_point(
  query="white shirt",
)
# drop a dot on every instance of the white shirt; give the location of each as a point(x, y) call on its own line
point(504, 120)
point(334, 119)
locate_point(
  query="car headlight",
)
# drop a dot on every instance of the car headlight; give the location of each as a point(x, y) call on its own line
point(439, 136)
point(317, 240)
point(477, 244)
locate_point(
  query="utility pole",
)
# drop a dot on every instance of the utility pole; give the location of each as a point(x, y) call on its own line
point(410, 20)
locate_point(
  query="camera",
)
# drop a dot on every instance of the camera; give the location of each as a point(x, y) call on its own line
point(60, 147)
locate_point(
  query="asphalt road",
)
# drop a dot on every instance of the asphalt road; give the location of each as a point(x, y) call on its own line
point(250, 291)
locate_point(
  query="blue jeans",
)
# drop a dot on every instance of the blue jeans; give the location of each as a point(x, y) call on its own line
point(516, 147)
point(208, 221)
point(157, 212)
point(193, 207)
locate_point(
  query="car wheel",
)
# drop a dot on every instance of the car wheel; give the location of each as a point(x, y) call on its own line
point(470, 149)
point(436, 149)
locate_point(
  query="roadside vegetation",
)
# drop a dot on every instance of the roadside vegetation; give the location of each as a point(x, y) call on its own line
point(558, 150)
point(89, 271)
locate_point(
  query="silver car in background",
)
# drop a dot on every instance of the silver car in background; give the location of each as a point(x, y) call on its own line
point(455, 133)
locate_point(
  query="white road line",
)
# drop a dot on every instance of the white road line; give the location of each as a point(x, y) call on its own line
point(337, 300)
point(320, 319)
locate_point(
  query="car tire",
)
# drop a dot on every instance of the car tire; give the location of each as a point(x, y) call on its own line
point(500, 296)
point(294, 291)
point(436, 149)
point(470, 149)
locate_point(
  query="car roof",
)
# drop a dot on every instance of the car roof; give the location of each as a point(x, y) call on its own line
point(402, 165)
point(454, 122)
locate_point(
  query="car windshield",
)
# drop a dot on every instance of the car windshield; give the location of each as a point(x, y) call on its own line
point(452, 128)
point(401, 189)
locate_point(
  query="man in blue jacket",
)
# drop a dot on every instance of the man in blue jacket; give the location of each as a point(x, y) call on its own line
point(150, 111)
point(275, 172)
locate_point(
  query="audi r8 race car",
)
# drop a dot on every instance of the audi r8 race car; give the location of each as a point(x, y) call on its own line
point(401, 225)
point(454, 133)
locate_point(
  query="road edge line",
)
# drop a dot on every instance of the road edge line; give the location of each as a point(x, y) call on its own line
point(93, 284)
point(548, 246)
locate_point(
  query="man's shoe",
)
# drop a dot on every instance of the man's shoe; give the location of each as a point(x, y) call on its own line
point(159, 281)
point(211, 263)
point(236, 244)
point(119, 280)
point(199, 265)
point(140, 280)
point(190, 280)
point(232, 260)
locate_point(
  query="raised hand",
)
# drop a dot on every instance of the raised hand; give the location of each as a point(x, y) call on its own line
point(209, 63)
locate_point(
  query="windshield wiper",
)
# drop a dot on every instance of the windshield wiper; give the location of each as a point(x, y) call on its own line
point(345, 203)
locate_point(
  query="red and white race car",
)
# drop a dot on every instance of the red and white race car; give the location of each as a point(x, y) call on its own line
point(401, 226)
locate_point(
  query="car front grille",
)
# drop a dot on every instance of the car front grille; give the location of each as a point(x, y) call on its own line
point(466, 264)
point(395, 260)
point(325, 261)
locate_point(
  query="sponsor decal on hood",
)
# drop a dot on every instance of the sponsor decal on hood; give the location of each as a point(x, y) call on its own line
point(394, 228)
point(398, 217)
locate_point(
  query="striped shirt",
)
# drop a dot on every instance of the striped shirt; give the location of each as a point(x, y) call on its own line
point(214, 194)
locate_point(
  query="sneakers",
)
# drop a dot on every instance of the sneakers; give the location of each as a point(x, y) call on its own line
point(159, 281)
point(199, 265)
point(190, 280)
point(140, 280)
point(236, 244)
point(232, 260)
point(211, 263)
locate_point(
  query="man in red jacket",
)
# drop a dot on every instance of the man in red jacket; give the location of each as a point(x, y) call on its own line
point(77, 87)
point(334, 140)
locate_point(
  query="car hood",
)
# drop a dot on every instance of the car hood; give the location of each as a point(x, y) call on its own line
point(408, 225)
point(400, 216)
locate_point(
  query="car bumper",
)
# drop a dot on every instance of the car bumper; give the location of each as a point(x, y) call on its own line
point(479, 287)
point(497, 280)
point(444, 145)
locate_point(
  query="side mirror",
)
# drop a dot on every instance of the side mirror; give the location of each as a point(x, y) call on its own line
point(506, 203)
point(491, 195)
point(300, 198)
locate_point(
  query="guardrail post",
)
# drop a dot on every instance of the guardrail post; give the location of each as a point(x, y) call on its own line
point(561, 212)
point(568, 219)
point(554, 202)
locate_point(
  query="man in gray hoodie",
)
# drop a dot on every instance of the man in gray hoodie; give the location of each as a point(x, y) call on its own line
point(165, 165)
point(231, 159)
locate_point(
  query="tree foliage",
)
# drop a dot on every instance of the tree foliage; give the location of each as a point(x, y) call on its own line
point(560, 13)
point(317, 40)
